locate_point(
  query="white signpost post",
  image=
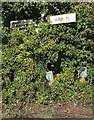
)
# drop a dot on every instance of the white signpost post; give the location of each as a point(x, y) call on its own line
point(58, 19)
point(65, 18)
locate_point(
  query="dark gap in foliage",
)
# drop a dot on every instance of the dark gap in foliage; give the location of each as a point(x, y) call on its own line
point(11, 75)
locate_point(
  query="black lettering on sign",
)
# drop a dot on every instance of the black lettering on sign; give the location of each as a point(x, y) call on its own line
point(55, 19)
point(60, 19)
point(67, 18)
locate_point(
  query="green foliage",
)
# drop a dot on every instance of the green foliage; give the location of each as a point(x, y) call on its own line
point(68, 47)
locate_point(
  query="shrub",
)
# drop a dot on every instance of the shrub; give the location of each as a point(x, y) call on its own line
point(67, 47)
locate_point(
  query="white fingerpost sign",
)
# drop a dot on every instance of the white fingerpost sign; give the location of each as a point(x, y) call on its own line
point(65, 18)
point(21, 23)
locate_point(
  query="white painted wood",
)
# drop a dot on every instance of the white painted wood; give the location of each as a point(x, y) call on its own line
point(65, 18)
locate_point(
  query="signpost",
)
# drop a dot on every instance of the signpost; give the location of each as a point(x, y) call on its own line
point(65, 18)
point(21, 23)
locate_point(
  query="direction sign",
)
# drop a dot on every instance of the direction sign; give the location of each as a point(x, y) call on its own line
point(65, 18)
point(21, 23)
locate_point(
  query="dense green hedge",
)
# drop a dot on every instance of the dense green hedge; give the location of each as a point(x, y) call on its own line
point(68, 47)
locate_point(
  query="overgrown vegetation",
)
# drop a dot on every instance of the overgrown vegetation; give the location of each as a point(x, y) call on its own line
point(68, 47)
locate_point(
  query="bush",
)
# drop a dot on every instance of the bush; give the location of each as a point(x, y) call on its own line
point(67, 47)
